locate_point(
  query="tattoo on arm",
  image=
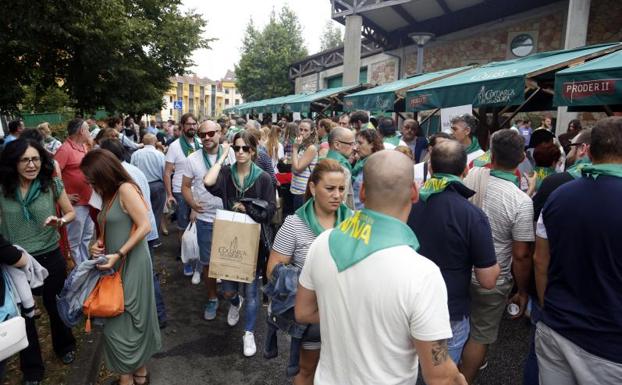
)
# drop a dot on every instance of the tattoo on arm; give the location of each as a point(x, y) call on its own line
point(439, 352)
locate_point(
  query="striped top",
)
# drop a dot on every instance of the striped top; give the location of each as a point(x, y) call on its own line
point(299, 180)
point(293, 240)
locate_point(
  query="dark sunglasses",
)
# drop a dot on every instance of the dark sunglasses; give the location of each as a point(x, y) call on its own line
point(202, 135)
point(243, 148)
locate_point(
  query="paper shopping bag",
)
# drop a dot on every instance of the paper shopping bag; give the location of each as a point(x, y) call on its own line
point(235, 245)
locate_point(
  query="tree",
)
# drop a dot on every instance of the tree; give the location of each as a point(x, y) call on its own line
point(331, 38)
point(266, 55)
point(115, 54)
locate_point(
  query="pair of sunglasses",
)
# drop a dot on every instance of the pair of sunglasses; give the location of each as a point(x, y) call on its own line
point(202, 135)
point(243, 148)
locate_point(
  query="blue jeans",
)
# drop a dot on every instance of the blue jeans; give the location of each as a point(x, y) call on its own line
point(460, 331)
point(251, 300)
point(204, 236)
point(182, 212)
point(530, 371)
point(156, 288)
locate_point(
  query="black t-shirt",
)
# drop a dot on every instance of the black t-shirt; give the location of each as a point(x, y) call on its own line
point(455, 235)
point(583, 298)
point(549, 184)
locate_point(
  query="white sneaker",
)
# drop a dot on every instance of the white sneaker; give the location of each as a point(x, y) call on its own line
point(233, 316)
point(249, 344)
point(196, 277)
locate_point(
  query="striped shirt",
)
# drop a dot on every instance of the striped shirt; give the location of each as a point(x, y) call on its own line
point(293, 240)
point(299, 180)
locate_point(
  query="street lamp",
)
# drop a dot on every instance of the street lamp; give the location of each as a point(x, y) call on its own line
point(421, 39)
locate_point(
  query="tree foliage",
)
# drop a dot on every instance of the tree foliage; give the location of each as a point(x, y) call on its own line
point(115, 54)
point(266, 55)
point(331, 38)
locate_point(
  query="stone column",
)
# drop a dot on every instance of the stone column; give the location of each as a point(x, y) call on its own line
point(352, 50)
point(576, 36)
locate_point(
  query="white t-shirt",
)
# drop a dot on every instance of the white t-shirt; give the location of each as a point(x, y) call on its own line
point(195, 169)
point(389, 146)
point(370, 312)
point(175, 155)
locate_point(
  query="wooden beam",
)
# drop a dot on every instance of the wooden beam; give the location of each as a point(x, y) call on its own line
point(443, 5)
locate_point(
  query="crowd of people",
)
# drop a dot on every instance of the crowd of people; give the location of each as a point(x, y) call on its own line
point(381, 250)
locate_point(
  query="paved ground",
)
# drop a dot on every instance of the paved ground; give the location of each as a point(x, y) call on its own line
point(199, 352)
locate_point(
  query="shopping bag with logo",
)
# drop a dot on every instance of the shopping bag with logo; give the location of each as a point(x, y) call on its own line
point(235, 244)
point(189, 244)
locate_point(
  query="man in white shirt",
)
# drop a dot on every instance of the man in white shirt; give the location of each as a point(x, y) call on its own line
point(377, 334)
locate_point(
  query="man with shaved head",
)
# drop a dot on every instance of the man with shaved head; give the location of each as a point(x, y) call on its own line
point(381, 306)
point(454, 234)
point(341, 143)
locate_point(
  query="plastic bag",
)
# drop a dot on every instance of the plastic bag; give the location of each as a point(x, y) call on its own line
point(190, 244)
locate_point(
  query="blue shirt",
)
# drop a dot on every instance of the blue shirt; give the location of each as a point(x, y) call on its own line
point(151, 162)
point(456, 235)
point(9, 138)
point(583, 297)
point(141, 181)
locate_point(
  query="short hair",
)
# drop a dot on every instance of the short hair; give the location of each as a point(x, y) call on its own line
point(469, 120)
point(149, 139)
point(127, 121)
point(439, 135)
point(606, 139)
point(372, 137)
point(359, 116)
point(32, 133)
point(415, 126)
point(507, 148)
point(240, 122)
point(336, 134)
point(386, 127)
point(113, 121)
point(404, 150)
point(14, 125)
point(114, 146)
point(583, 137)
point(448, 157)
point(185, 117)
point(546, 154)
point(74, 126)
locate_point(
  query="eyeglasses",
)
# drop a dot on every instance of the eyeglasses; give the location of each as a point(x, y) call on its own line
point(576, 144)
point(243, 148)
point(202, 135)
point(35, 160)
point(347, 143)
point(190, 124)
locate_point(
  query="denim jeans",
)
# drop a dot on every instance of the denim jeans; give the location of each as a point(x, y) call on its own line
point(156, 288)
point(530, 371)
point(460, 334)
point(157, 195)
point(251, 301)
point(79, 234)
point(183, 211)
point(204, 236)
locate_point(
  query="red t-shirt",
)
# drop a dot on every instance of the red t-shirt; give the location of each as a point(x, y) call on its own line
point(69, 156)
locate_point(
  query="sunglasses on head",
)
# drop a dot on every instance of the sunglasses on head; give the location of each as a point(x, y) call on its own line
point(243, 148)
point(202, 135)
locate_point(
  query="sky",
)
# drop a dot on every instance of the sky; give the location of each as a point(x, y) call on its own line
point(227, 20)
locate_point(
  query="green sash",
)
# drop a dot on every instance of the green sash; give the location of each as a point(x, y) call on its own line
point(509, 176)
point(394, 140)
point(343, 161)
point(364, 233)
point(474, 146)
point(436, 184)
point(324, 139)
point(358, 167)
point(575, 169)
point(208, 164)
point(185, 146)
point(483, 160)
point(306, 212)
point(33, 193)
point(250, 179)
point(541, 173)
point(606, 169)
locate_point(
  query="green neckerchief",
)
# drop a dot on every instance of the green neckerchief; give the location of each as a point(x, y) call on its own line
point(575, 169)
point(483, 160)
point(509, 176)
point(394, 140)
point(474, 146)
point(324, 139)
point(368, 126)
point(541, 173)
point(358, 167)
point(436, 184)
point(364, 233)
point(306, 212)
point(250, 179)
point(343, 161)
point(33, 193)
point(208, 164)
point(606, 169)
point(185, 146)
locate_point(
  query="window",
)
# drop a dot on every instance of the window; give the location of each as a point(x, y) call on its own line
point(227, 91)
point(226, 102)
point(237, 102)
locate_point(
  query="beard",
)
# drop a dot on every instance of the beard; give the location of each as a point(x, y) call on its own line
point(190, 133)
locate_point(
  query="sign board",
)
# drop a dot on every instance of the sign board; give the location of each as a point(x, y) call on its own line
point(178, 104)
point(447, 114)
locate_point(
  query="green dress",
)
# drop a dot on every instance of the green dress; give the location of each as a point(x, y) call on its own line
point(133, 337)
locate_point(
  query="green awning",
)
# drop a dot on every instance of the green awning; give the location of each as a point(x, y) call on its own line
point(302, 103)
point(248, 108)
point(275, 105)
point(597, 82)
point(383, 97)
point(498, 83)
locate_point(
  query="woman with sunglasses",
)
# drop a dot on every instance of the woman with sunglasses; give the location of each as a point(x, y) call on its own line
point(244, 179)
point(304, 159)
point(28, 198)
